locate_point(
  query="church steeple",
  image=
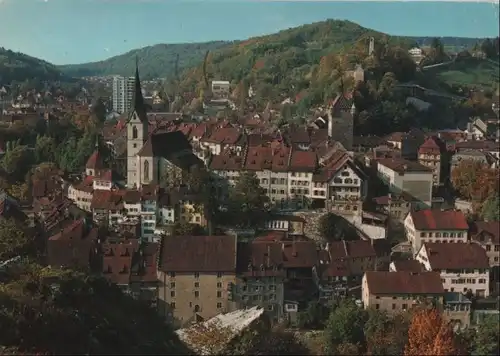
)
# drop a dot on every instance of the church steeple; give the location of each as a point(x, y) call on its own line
point(138, 104)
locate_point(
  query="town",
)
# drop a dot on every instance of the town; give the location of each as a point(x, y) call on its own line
point(235, 215)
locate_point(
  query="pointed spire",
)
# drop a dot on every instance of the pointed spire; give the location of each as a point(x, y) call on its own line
point(138, 105)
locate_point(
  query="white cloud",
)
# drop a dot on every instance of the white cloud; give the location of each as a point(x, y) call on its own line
point(106, 49)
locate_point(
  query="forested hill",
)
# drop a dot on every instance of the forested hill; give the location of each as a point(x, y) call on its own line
point(156, 61)
point(46, 311)
point(15, 66)
point(321, 37)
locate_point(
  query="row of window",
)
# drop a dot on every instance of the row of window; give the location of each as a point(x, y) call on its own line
point(466, 281)
point(345, 181)
point(196, 274)
point(196, 285)
point(444, 234)
point(196, 307)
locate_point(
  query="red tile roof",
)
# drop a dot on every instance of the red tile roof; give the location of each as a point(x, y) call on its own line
point(305, 161)
point(260, 259)
point(483, 230)
point(107, 199)
point(435, 219)
point(95, 161)
point(408, 266)
point(224, 135)
point(117, 260)
point(392, 283)
point(299, 254)
point(203, 254)
point(400, 165)
point(432, 145)
point(456, 255)
point(226, 161)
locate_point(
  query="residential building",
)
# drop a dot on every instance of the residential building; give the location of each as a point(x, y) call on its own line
point(432, 154)
point(261, 275)
point(488, 146)
point(123, 93)
point(409, 177)
point(342, 265)
point(396, 206)
point(221, 89)
point(291, 176)
point(472, 155)
point(395, 292)
point(457, 309)
point(434, 225)
point(406, 265)
point(132, 267)
point(487, 235)
point(463, 267)
point(195, 281)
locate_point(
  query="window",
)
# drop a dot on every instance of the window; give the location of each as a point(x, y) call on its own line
point(196, 294)
point(219, 274)
point(219, 305)
point(134, 132)
point(219, 294)
point(172, 305)
point(172, 285)
point(405, 306)
point(172, 294)
point(171, 274)
point(377, 306)
point(219, 285)
point(196, 275)
point(393, 306)
point(146, 170)
point(196, 284)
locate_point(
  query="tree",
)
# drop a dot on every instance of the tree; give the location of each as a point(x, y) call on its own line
point(490, 210)
point(429, 334)
point(45, 149)
point(314, 316)
point(17, 161)
point(19, 191)
point(474, 180)
point(248, 200)
point(99, 110)
point(13, 240)
point(345, 326)
point(266, 341)
point(49, 311)
point(335, 228)
point(485, 339)
point(187, 229)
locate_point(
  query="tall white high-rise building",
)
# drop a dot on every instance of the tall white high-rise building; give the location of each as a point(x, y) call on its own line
point(123, 93)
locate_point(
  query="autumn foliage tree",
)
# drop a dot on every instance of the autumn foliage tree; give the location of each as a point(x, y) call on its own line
point(429, 334)
point(474, 180)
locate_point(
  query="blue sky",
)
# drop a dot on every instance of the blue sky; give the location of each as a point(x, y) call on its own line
point(76, 31)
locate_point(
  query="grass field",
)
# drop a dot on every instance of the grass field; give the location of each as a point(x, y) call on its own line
point(480, 73)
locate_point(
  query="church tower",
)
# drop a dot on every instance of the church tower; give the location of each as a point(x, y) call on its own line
point(137, 130)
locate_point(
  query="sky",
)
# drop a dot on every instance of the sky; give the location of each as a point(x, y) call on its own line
point(78, 31)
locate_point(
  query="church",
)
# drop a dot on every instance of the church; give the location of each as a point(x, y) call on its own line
point(159, 157)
